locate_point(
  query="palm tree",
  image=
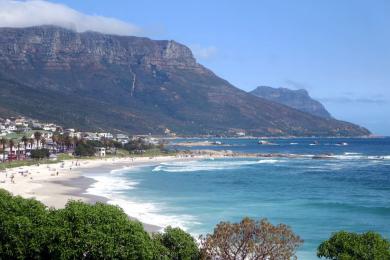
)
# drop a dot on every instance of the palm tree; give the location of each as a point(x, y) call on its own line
point(67, 141)
point(60, 142)
point(3, 142)
point(37, 137)
point(55, 139)
point(11, 145)
point(25, 142)
point(18, 152)
point(75, 141)
point(31, 142)
point(43, 142)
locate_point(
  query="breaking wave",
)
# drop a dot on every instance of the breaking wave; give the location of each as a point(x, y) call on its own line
point(114, 189)
point(209, 165)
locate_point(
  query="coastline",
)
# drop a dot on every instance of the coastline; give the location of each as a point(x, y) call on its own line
point(75, 177)
point(42, 183)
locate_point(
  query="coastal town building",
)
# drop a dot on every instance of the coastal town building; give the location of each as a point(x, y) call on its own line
point(20, 139)
point(100, 151)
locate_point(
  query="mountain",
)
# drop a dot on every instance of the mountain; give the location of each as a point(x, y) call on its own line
point(136, 85)
point(298, 99)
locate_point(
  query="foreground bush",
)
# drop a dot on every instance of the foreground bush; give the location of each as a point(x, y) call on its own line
point(250, 239)
point(28, 230)
point(345, 245)
point(176, 244)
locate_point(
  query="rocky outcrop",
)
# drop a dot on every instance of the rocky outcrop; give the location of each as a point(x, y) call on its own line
point(95, 81)
point(298, 99)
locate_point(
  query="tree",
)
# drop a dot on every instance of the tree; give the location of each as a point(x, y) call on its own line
point(23, 227)
point(3, 142)
point(25, 142)
point(85, 149)
point(67, 141)
point(37, 137)
point(345, 245)
point(98, 231)
point(75, 141)
point(43, 142)
point(18, 153)
point(138, 145)
point(250, 239)
point(55, 139)
point(79, 231)
point(40, 153)
point(11, 145)
point(31, 141)
point(176, 244)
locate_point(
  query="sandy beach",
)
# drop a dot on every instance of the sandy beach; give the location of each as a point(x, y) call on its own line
point(56, 184)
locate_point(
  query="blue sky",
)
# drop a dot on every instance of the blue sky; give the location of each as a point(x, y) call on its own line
point(338, 50)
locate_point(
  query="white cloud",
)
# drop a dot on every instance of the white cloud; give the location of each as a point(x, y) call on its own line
point(203, 52)
point(38, 12)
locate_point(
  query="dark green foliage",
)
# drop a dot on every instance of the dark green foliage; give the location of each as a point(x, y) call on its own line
point(117, 144)
point(138, 145)
point(82, 231)
point(98, 231)
point(347, 246)
point(85, 149)
point(40, 153)
point(176, 244)
point(23, 228)
point(94, 143)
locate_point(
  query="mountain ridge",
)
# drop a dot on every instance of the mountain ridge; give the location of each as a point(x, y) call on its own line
point(298, 99)
point(135, 85)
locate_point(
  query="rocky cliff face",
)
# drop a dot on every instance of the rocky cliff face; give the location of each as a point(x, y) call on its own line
point(298, 99)
point(136, 85)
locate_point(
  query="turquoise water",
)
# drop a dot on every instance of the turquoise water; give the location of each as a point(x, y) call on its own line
point(314, 197)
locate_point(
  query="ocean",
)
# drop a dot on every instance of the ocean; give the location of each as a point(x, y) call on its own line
point(315, 197)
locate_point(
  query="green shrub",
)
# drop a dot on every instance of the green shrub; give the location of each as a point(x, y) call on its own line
point(85, 149)
point(81, 231)
point(40, 153)
point(176, 244)
point(345, 245)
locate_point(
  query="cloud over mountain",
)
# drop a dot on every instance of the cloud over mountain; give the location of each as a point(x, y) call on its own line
point(204, 53)
point(38, 12)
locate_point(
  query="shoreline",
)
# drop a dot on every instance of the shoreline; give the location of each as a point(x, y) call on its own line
point(75, 177)
point(42, 183)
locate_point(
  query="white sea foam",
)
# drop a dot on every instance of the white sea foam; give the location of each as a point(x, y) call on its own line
point(268, 161)
point(151, 213)
point(107, 185)
point(208, 165)
point(350, 153)
point(359, 156)
point(349, 157)
point(114, 188)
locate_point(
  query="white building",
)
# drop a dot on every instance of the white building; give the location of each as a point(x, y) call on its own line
point(100, 151)
point(105, 135)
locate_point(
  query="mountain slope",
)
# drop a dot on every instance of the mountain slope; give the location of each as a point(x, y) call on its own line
point(136, 85)
point(298, 99)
